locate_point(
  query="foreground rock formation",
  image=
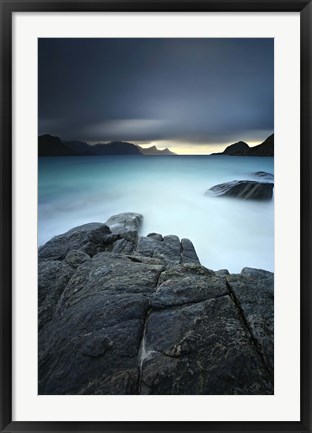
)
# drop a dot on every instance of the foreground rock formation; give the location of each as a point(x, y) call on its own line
point(125, 314)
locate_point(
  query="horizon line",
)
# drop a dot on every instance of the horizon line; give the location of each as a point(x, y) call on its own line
point(214, 151)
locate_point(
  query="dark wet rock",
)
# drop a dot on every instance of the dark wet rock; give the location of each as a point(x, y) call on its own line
point(124, 222)
point(94, 238)
point(119, 382)
point(188, 253)
point(222, 272)
point(243, 189)
point(122, 246)
point(130, 236)
point(93, 347)
point(187, 284)
point(264, 175)
point(156, 236)
point(202, 348)
point(74, 239)
point(253, 291)
point(172, 248)
point(257, 273)
point(53, 276)
point(126, 243)
point(110, 273)
point(75, 258)
point(168, 248)
point(147, 260)
point(140, 315)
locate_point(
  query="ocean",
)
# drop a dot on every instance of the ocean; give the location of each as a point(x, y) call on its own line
point(227, 233)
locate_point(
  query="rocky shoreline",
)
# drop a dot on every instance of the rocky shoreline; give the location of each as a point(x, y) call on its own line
point(121, 313)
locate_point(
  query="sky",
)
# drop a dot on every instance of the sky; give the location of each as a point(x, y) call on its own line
point(194, 96)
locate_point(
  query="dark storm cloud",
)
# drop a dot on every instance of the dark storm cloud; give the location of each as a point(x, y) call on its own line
point(195, 90)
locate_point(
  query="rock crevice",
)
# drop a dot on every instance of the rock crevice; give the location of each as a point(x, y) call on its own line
point(142, 354)
point(245, 321)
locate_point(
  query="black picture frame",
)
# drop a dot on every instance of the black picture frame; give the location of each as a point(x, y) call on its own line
point(8, 7)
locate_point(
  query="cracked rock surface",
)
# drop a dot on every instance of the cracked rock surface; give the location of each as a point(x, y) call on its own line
point(124, 314)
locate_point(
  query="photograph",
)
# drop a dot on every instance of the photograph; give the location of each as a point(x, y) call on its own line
point(156, 216)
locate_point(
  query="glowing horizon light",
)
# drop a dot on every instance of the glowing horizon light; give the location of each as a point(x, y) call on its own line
point(181, 148)
point(185, 148)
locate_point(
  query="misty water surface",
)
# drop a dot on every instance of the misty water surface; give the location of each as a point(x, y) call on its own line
point(169, 192)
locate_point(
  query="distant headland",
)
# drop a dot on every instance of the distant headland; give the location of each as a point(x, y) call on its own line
point(242, 149)
point(49, 145)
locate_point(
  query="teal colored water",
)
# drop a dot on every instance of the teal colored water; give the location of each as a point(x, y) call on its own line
point(169, 192)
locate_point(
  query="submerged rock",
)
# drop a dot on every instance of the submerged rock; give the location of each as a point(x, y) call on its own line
point(264, 175)
point(244, 189)
point(140, 315)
